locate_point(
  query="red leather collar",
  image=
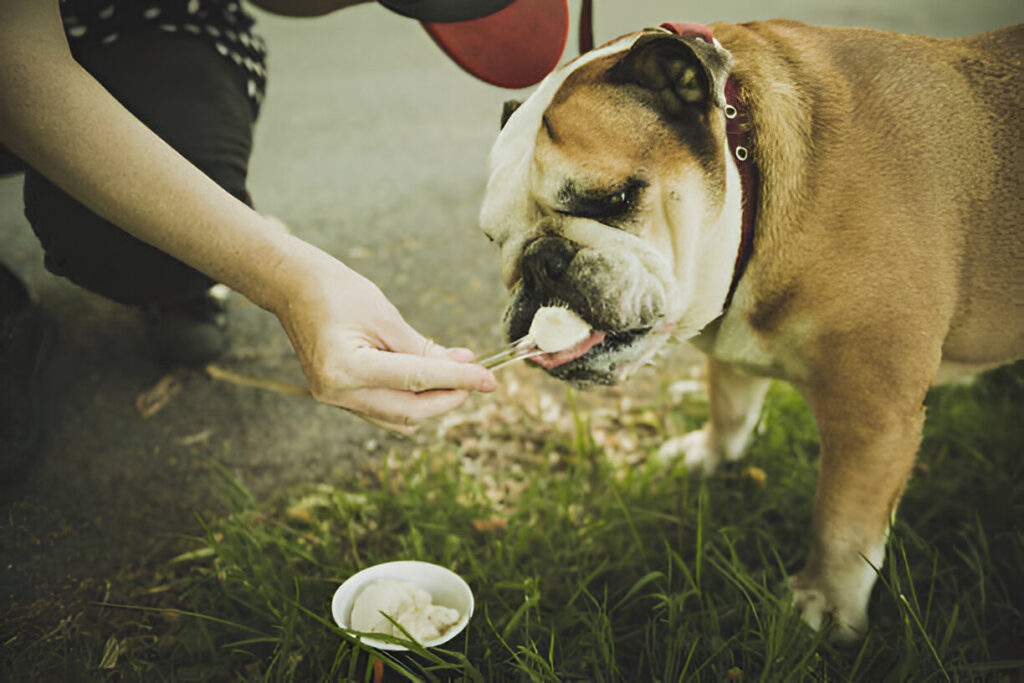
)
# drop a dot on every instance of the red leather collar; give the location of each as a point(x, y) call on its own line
point(738, 129)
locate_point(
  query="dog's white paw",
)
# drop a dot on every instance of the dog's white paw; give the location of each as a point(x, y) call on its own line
point(694, 448)
point(819, 606)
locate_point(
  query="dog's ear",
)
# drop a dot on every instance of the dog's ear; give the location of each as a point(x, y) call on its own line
point(683, 72)
point(508, 109)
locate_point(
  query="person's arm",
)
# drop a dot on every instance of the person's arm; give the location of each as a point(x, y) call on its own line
point(304, 8)
point(354, 347)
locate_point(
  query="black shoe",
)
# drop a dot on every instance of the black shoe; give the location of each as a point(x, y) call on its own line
point(25, 336)
point(189, 333)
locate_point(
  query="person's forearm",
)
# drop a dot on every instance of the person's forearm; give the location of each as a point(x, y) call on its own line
point(60, 121)
point(304, 8)
point(354, 347)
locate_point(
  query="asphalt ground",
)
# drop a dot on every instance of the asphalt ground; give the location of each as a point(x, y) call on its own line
point(372, 145)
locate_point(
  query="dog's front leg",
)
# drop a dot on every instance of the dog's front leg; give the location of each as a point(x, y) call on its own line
point(734, 406)
point(869, 440)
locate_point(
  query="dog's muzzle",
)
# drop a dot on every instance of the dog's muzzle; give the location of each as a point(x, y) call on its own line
point(608, 290)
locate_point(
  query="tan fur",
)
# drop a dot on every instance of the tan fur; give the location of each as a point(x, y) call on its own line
point(888, 249)
point(930, 157)
point(890, 235)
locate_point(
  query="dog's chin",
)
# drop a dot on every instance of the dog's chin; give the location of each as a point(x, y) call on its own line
point(614, 360)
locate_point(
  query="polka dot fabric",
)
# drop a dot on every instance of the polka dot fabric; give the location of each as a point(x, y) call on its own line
point(223, 24)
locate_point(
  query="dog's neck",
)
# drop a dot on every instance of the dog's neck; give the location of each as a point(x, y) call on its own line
point(738, 133)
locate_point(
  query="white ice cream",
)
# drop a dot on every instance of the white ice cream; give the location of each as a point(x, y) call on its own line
point(409, 605)
point(555, 329)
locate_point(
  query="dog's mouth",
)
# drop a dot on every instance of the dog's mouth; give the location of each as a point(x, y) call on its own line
point(551, 361)
point(617, 343)
point(606, 355)
point(574, 363)
point(599, 342)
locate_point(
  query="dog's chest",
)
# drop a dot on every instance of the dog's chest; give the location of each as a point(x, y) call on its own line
point(731, 339)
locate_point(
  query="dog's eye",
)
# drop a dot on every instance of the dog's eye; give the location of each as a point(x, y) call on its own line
point(604, 207)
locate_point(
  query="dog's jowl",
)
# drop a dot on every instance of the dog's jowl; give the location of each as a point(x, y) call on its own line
point(838, 208)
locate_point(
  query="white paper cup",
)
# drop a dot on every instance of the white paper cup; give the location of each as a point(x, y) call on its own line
point(447, 589)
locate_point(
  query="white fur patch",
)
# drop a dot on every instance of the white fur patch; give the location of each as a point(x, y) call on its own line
point(695, 450)
point(508, 200)
point(841, 593)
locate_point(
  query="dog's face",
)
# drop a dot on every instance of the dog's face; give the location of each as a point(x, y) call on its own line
point(612, 192)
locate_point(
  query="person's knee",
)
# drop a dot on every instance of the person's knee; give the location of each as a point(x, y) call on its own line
point(196, 102)
point(99, 256)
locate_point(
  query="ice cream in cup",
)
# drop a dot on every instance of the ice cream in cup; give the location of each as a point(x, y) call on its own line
point(432, 603)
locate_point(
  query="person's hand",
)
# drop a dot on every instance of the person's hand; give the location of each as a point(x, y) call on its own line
point(359, 354)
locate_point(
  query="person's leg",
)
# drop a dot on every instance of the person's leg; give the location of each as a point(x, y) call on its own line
point(197, 102)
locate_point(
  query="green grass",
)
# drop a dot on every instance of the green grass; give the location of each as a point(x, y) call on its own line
point(600, 571)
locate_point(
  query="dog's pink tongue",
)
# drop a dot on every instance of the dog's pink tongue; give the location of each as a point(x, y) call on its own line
point(553, 360)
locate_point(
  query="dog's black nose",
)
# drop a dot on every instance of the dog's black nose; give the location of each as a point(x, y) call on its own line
point(546, 259)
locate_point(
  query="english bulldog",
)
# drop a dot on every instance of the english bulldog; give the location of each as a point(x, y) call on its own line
point(838, 208)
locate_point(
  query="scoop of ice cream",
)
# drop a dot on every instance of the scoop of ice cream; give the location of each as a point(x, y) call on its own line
point(555, 329)
point(407, 604)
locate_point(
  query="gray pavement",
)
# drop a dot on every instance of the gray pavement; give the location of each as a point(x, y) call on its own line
point(373, 146)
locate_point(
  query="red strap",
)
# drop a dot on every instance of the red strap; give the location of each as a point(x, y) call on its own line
point(586, 26)
point(738, 131)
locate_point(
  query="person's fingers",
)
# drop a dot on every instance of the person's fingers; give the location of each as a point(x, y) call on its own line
point(400, 337)
point(403, 429)
point(414, 373)
point(403, 338)
point(461, 355)
point(400, 408)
